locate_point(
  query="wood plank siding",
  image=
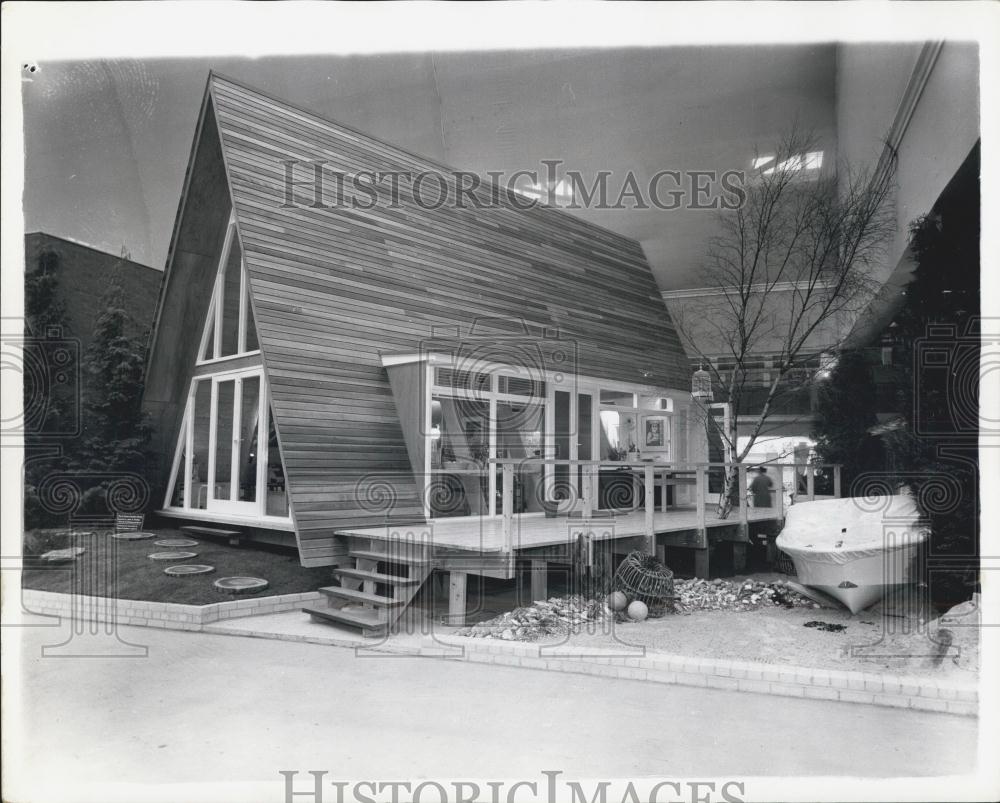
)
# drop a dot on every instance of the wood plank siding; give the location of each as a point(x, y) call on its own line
point(185, 293)
point(335, 288)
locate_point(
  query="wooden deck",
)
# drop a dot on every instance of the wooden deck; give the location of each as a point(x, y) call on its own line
point(506, 546)
point(533, 530)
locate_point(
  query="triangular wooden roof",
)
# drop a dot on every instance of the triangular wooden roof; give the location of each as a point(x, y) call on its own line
point(334, 288)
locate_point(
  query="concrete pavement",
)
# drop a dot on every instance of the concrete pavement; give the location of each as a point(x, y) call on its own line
point(205, 708)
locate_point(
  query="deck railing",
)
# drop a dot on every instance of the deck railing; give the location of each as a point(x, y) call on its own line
point(673, 474)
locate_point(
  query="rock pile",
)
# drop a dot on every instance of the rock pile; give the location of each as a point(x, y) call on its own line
point(555, 616)
point(726, 595)
point(568, 615)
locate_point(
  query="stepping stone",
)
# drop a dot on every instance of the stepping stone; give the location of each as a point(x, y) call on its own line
point(190, 568)
point(132, 536)
point(175, 542)
point(240, 585)
point(172, 555)
point(62, 555)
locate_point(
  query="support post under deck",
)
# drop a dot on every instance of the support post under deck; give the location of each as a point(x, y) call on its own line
point(739, 556)
point(457, 582)
point(539, 579)
point(701, 492)
point(701, 563)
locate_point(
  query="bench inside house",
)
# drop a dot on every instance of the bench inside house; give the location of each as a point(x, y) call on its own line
point(232, 536)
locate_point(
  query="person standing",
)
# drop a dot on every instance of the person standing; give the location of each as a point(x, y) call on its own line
point(760, 488)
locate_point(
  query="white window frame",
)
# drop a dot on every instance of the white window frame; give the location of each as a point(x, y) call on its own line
point(252, 512)
point(212, 330)
point(573, 384)
point(493, 396)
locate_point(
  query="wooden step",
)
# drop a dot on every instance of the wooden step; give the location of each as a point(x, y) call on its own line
point(376, 577)
point(370, 621)
point(232, 536)
point(361, 596)
point(367, 554)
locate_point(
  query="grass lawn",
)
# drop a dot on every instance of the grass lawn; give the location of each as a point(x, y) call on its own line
point(142, 578)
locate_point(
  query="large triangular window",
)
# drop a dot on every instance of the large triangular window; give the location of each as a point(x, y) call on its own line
point(230, 329)
point(222, 466)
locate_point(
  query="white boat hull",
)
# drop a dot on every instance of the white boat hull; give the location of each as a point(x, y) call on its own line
point(858, 583)
point(856, 575)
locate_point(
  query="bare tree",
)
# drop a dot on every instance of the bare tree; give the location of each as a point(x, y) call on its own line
point(787, 266)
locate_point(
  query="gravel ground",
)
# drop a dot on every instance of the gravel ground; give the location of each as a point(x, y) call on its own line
point(870, 641)
point(779, 635)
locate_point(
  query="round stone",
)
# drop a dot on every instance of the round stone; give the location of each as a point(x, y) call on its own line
point(132, 536)
point(62, 555)
point(172, 555)
point(240, 585)
point(189, 568)
point(175, 542)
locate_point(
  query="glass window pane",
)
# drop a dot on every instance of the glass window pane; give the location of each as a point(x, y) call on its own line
point(208, 352)
point(561, 488)
point(520, 386)
point(277, 494)
point(584, 435)
point(249, 412)
point(520, 434)
point(199, 459)
point(619, 398)
point(252, 343)
point(618, 435)
point(460, 431)
point(457, 379)
point(224, 439)
point(180, 478)
point(231, 301)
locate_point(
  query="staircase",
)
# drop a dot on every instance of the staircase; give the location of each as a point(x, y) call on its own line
point(376, 589)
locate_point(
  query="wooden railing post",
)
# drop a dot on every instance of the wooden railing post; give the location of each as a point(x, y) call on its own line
point(836, 481)
point(587, 476)
point(699, 494)
point(810, 482)
point(648, 481)
point(780, 492)
point(508, 514)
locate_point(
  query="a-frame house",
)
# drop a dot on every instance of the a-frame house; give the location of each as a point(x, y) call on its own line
point(382, 340)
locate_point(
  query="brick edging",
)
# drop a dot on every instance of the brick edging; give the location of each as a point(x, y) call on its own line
point(145, 613)
point(874, 688)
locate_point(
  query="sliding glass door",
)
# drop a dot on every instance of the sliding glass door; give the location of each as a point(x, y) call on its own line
point(573, 436)
point(233, 467)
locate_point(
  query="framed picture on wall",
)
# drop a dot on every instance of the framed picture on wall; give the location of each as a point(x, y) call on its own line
point(656, 433)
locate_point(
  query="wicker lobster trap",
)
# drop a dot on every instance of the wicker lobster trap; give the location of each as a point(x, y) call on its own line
point(643, 577)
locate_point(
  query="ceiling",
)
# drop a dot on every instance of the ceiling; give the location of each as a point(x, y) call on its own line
point(107, 142)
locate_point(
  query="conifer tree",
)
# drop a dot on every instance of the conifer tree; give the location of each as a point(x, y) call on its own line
point(115, 433)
